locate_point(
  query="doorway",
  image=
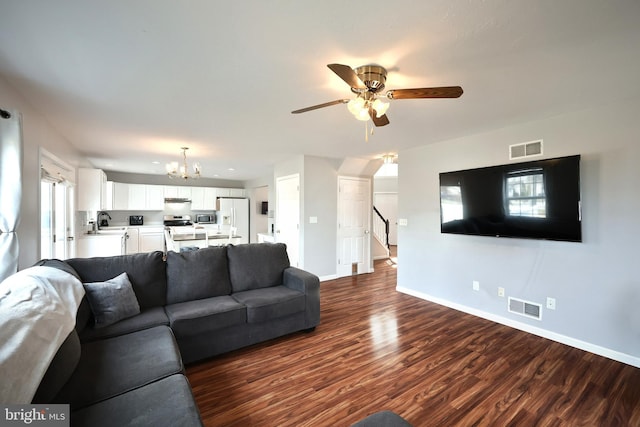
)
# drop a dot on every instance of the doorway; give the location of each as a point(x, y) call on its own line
point(387, 204)
point(354, 225)
point(57, 205)
point(288, 216)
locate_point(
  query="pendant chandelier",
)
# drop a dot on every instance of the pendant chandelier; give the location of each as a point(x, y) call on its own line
point(174, 170)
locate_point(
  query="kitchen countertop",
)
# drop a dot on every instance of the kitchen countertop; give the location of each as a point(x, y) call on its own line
point(180, 237)
point(103, 233)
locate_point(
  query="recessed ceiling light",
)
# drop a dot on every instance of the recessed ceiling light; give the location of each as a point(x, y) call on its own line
point(155, 162)
point(231, 169)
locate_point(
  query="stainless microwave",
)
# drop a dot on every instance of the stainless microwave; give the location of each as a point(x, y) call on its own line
point(206, 218)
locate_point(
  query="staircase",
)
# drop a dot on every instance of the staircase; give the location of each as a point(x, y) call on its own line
point(381, 230)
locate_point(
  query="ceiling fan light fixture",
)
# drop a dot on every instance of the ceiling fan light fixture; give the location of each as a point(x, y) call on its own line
point(381, 107)
point(355, 106)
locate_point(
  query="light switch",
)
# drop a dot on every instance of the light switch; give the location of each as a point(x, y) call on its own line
point(313, 220)
point(403, 221)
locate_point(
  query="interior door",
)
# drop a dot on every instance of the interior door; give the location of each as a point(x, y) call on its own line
point(288, 215)
point(354, 224)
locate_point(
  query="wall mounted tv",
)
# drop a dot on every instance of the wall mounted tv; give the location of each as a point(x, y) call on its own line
point(536, 199)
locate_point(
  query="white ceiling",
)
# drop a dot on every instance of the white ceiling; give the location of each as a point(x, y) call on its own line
point(130, 81)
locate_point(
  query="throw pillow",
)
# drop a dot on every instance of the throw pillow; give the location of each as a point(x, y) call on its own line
point(112, 300)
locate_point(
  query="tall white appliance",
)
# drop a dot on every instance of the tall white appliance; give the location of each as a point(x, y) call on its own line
point(234, 212)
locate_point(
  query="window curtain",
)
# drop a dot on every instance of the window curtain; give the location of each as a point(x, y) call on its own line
point(10, 190)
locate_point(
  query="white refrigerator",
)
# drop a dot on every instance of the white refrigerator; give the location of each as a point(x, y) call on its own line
point(234, 212)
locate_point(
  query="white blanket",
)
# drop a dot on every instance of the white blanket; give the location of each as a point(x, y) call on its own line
point(38, 309)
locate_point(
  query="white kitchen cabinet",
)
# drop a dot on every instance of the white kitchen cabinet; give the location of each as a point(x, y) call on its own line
point(109, 196)
point(237, 192)
point(170, 191)
point(203, 198)
point(120, 196)
point(151, 239)
point(197, 198)
point(230, 192)
point(92, 190)
point(209, 198)
point(88, 246)
point(132, 240)
point(154, 197)
point(223, 192)
point(137, 197)
point(179, 191)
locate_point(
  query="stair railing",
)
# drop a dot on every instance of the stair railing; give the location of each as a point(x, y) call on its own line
point(381, 227)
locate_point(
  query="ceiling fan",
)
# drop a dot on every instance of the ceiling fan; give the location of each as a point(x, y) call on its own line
point(367, 82)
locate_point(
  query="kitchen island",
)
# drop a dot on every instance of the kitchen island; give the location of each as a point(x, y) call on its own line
point(102, 243)
point(178, 238)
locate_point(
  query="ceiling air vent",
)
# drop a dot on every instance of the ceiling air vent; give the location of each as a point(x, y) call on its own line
point(525, 149)
point(525, 308)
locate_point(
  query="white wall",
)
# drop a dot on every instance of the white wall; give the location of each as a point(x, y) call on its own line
point(319, 198)
point(596, 282)
point(320, 201)
point(259, 221)
point(36, 133)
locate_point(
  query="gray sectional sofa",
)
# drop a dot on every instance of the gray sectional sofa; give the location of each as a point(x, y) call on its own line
point(192, 306)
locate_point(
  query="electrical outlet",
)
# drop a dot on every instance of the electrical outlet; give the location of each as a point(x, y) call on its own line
point(476, 285)
point(501, 292)
point(551, 303)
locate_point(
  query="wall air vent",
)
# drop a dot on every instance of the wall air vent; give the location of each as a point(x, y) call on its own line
point(525, 149)
point(525, 308)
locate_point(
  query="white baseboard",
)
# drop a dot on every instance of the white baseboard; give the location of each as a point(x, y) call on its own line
point(563, 339)
point(328, 277)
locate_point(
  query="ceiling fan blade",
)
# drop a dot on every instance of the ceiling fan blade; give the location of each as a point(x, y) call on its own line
point(383, 120)
point(315, 107)
point(347, 74)
point(426, 92)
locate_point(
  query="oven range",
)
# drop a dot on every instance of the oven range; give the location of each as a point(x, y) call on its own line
point(177, 221)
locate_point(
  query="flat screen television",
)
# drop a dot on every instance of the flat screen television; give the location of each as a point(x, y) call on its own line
point(535, 199)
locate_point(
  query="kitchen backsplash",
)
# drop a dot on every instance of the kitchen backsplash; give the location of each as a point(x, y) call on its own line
point(121, 218)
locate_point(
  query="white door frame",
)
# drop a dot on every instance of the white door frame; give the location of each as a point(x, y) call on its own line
point(282, 235)
point(346, 267)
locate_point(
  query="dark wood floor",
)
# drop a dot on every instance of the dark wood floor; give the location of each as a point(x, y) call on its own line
point(379, 349)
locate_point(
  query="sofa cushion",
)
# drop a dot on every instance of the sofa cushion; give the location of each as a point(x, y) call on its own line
point(383, 419)
point(114, 366)
point(111, 300)
point(167, 402)
point(149, 318)
point(146, 272)
point(201, 316)
point(197, 274)
point(256, 265)
point(60, 265)
point(269, 303)
point(84, 311)
point(60, 369)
